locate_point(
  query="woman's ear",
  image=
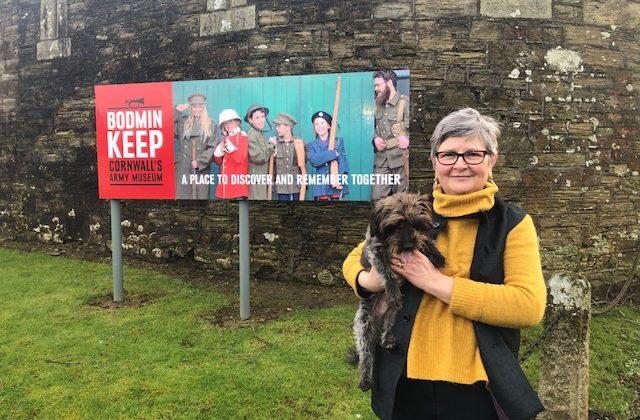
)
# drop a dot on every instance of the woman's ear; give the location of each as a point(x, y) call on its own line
point(493, 159)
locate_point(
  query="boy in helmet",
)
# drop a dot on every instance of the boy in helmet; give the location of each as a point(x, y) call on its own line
point(259, 150)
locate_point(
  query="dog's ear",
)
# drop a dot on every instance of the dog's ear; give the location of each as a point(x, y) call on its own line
point(375, 220)
point(424, 201)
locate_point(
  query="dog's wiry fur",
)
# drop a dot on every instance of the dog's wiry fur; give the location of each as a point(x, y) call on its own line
point(399, 223)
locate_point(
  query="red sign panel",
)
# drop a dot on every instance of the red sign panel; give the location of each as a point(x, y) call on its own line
point(134, 135)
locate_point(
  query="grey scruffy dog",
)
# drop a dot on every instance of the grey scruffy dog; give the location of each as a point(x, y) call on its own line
point(399, 224)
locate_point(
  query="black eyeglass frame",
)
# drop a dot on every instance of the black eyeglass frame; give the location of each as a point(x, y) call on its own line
point(462, 155)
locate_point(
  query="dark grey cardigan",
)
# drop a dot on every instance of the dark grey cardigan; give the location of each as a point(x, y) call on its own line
point(498, 346)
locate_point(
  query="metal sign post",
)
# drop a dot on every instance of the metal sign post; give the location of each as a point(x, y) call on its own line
point(243, 223)
point(116, 255)
point(116, 250)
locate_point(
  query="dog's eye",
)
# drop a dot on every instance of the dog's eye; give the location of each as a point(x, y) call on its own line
point(422, 226)
point(388, 230)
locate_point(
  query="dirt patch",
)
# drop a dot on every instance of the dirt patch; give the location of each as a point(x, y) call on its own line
point(131, 300)
point(269, 299)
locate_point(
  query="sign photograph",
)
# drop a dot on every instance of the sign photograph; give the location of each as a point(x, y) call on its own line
point(286, 138)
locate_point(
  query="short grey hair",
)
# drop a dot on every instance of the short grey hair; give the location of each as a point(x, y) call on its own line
point(467, 122)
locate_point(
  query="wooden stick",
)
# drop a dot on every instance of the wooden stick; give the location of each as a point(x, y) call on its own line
point(194, 194)
point(270, 184)
point(332, 133)
point(62, 362)
point(299, 147)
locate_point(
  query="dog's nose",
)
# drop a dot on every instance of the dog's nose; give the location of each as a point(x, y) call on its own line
point(407, 242)
point(407, 239)
point(407, 245)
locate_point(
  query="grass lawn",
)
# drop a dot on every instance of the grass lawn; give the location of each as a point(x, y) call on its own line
point(64, 356)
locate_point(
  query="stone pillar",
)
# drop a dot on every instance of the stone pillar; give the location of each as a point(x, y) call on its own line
point(227, 16)
point(54, 39)
point(564, 372)
point(9, 41)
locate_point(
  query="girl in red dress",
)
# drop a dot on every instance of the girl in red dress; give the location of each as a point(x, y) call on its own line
point(232, 154)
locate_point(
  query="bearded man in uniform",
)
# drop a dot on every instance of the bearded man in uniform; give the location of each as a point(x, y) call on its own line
point(391, 142)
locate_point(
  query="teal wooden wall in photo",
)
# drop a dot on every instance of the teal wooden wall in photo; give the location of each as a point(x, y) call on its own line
point(301, 97)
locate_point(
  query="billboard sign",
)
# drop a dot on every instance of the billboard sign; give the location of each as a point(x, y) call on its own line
point(267, 138)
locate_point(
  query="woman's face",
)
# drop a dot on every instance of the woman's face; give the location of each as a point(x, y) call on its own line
point(258, 119)
point(321, 126)
point(462, 178)
point(283, 130)
point(196, 109)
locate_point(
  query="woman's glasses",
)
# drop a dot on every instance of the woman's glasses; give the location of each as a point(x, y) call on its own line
point(471, 157)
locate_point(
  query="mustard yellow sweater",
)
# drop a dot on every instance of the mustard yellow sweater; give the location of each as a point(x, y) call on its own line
point(443, 345)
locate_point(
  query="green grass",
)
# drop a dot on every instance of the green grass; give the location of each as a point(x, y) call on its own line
point(614, 385)
point(63, 357)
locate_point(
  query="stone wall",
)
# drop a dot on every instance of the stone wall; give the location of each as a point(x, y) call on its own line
point(561, 75)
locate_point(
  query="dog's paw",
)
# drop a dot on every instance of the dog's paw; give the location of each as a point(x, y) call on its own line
point(437, 260)
point(365, 384)
point(352, 357)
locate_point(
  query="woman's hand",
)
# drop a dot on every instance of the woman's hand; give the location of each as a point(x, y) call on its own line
point(182, 107)
point(370, 281)
point(419, 271)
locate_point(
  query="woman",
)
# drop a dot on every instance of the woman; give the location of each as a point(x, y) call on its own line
point(195, 137)
point(461, 324)
point(320, 157)
point(232, 156)
point(289, 168)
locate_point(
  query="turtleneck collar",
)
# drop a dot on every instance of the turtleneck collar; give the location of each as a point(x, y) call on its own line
point(447, 205)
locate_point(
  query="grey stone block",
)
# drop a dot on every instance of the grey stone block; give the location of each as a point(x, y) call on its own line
point(55, 48)
point(233, 20)
point(531, 9)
